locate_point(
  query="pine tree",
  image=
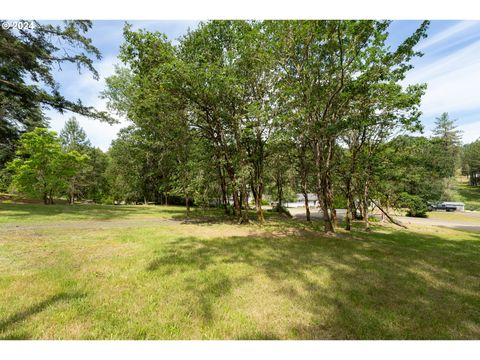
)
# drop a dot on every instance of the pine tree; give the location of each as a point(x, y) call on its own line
point(447, 139)
point(73, 137)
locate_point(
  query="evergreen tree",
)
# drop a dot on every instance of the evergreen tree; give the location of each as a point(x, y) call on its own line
point(28, 58)
point(73, 137)
point(447, 141)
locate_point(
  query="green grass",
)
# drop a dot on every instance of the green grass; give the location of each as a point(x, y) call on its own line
point(39, 213)
point(218, 280)
point(464, 217)
point(468, 194)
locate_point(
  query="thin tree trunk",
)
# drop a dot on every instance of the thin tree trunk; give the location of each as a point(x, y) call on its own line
point(388, 216)
point(187, 204)
point(245, 205)
point(237, 206)
point(258, 194)
point(322, 191)
point(280, 193)
point(348, 215)
point(223, 187)
point(365, 206)
point(307, 206)
point(304, 176)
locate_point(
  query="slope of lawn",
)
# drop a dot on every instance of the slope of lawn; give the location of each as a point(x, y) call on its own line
point(203, 279)
point(468, 194)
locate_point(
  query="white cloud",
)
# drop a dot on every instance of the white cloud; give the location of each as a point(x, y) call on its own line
point(453, 80)
point(471, 132)
point(447, 34)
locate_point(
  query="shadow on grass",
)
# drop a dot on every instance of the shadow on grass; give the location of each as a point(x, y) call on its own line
point(85, 212)
point(12, 320)
point(399, 285)
point(470, 195)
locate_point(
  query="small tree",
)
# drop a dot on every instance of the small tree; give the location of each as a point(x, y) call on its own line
point(41, 168)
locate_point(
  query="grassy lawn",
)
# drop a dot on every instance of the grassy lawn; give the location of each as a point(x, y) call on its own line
point(39, 213)
point(201, 279)
point(468, 194)
point(464, 217)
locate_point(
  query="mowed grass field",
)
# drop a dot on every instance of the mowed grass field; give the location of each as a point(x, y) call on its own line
point(467, 194)
point(146, 272)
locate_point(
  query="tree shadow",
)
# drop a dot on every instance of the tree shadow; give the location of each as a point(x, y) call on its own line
point(86, 211)
point(397, 285)
point(17, 317)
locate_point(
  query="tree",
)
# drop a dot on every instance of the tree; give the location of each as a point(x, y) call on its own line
point(41, 168)
point(471, 162)
point(266, 100)
point(28, 58)
point(448, 141)
point(73, 137)
point(97, 187)
point(326, 66)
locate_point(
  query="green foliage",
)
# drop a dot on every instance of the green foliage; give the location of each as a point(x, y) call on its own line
point(28, 59)
point(415, 205)
point(259, 106)
point(471, 162)
point(447, 142)
point(41, 168)
point(73, 137)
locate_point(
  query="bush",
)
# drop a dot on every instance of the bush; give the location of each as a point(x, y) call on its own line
point(416, 206)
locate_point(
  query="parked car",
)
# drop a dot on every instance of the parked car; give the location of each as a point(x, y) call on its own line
point(441, 206)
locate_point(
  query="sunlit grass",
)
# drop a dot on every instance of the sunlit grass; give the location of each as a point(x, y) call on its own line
point(39, 213)
point(468, 194)
point(218, 280)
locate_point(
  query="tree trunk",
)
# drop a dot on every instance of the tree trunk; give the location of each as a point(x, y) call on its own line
point(304, 176)
point(223, 187)
point(322, 191)
point(187, 204)
point(258, 208)
point(258, 195)
point(279, 193)
point(45, 197)
point(245, 205)
point(237, 206)
point(307, 206)
point(365, 206)
point(72, 193)
point(348, 215)
point(388, 216)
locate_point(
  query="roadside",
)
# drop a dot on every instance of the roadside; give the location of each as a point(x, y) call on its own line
point(456, 220)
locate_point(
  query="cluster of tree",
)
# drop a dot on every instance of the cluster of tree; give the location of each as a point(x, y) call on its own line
point(28, 59)
point(49, 166)
point(471, 162)
point(250, 104)
point(237, 110)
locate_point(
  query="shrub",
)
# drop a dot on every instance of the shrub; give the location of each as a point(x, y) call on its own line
point(416, 206)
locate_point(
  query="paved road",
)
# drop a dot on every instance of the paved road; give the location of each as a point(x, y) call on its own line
point(299, 213)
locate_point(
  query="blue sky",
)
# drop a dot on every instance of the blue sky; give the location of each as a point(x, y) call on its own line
point(450, 67)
